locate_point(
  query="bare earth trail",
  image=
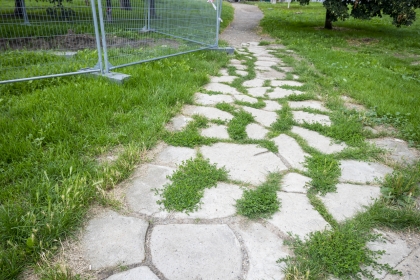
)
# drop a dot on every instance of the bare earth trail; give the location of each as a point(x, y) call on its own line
point(144, 241)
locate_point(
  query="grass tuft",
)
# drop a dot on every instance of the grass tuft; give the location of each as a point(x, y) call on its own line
point(324, 171)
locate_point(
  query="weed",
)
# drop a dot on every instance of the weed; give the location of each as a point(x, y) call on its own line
point(401, 188)
point(258, 105)
point(264, 43)
point(226, 107)
point(190, 136)
point(237, 126)
point(285, 120)
point(324, 171)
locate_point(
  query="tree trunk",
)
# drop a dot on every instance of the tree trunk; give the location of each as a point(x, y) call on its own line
point(19, 8)
point(125, 5)
point(328, 20)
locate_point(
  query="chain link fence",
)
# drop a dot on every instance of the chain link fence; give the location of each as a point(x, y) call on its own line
point(52, 38)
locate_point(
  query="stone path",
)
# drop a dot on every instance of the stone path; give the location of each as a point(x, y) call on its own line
point(147, 242)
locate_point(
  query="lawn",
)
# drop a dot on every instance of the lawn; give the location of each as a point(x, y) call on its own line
point(371, 61)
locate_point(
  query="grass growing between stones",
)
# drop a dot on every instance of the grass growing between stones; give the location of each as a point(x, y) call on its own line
point(261, 202)
point(237, 126)
point(324, 171)
point(188, 184)
point(285, 120)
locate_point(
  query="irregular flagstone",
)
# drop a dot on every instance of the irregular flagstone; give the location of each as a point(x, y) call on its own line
point(218, 87)
point(265, 63)
point(245, 98)
point(287, 69)
point(276, 83)
point(191, 251)
point(270, 74)
point(297, 215)
point(256, 131)
point(349, 199)
point(269, 58)
point(305, 117)
point(290, 151)
point(112, 239)
point(395, 249)
point(178, 123)
point(272, 106)
point(295, 77)
point(141, 196)
point(235, 62)
point(239, 67)
point(263, 117)
point(294, 182)
point(409, 267)
point(215, 131)
point(363, 172)
point(223, 79)
point(206, 99)
point(241, 73)
point(264, 249)
point(263, 68)
point(308, 104)
point(173, 156)
point(254, 83)
point(247, 163)
point(224, 72)
point(218, 202)
point(282, 93)
point(208, 112)
point(257, 91)
point(321, 143)
point(142, 272)
point(399, 150)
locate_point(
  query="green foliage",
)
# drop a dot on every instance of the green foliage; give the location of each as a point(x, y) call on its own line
point(402, 187)
point(339, 252)
point(261, 202)
point(258, 105)
point(236, 127)
point(398, 218)
point(324, 171)
point(285, 120)
point(188, 184)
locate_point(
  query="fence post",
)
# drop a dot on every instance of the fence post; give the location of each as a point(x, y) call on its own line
point(98, 40)
point(102, 25)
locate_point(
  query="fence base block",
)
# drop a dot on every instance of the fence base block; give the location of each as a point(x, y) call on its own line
point(228, 50)
point(118, 78)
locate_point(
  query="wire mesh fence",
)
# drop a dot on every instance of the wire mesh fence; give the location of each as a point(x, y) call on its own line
point(64, 37)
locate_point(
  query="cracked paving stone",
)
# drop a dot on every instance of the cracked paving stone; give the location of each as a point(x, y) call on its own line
point(193, 251)
point(363, 172)
point(245, 98)
point(142, 272)
point(173, 156)
point(399, 150)
point(272, 106)
point(178, 123)
point(206, 99)
point(308, 104)
point(295, 183)
point(291, 151)
point(270, 74)
point(246, 163)
point(305, 117)
point(282, 93)
point(223, 79)
point(218, 87)
point(215, 131)
point(257, 91)
point(208, 112)
point(265, 118)
point(315, 140)
point(254, 83)
point(256, 131)
point(409, 267)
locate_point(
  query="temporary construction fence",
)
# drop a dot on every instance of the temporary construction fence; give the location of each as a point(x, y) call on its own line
point(52, 38)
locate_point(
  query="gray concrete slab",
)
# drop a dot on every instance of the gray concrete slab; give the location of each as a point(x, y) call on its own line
point(409, 267)
point(208, 112)
point(276, 83)
point(270, 74)
point(245, 98)
point(312, 104)
point(269, 57)
point(222, 79)
point(236, 62)
point(206, 99)
point(141, 197)
point(112, 239)
point(265, 118)
point(272, 106)
point(173, 156)
point(305, 117)
point(287, 69)
point(297, 215)
point(256, 131)
point(363, 172)
point(191, 251)
point(290, 151)
point(263, 68)
point(142, 272)
point(321, 143)
point(257, 91)
point(349, 199)
point(224, 72)
point(178, 123)
point(215, 131)
point(265, 63)
point(218, 87)
point(264, 249)
point(239, 67)
point(282, 93)
point(295, 183)
point(253, 83)
point(217, 202)
point(247, 163)
point(241, 73)
point(398, 149)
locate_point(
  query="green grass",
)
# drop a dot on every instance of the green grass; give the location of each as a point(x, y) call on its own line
point(371, 61)
point(324, 171)
point(188, 183)
point(237, 126)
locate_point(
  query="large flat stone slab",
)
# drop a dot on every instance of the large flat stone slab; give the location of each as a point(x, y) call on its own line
point(254, 83)
point(222, 79)
point(363, 172)
point(206, 99)
point(265, 63)
point(409, 267)
point(265, 118)
point(191, 251)
point(215, 131)
point(272, 106)
point(245, 98)
point(270, 74)
point(178, 123)
point(321, 143)
point(312, 104)
point(295, 183)
point(218, 87)
point(208, 112)
point(112, 239)
point(256, 131)
point(290, 151)
point(349, 199)
point(142, 272)
point(276, 83)
point(264, 249)
point(297, 215)
point(305, 117)
point(257, 91)
point(173, 156)
point(239, 67)
point(241, 73)
point(399, 150)
point(218, 202)
point(141, 195)
point(282, 93)
point(269, 57)
point(247, 163)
